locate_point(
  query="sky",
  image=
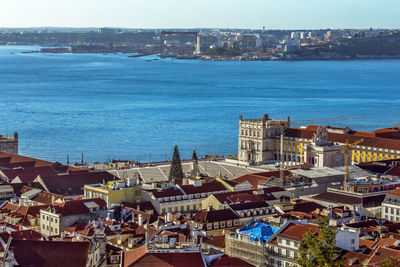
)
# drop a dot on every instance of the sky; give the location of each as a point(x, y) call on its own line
point(246, 14)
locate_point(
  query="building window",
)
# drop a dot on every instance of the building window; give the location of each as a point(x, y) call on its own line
point(352, 241)
point(51, 219)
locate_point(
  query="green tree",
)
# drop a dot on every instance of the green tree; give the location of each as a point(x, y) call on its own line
point(176, 172)
point(389, 263)
point(317, 249)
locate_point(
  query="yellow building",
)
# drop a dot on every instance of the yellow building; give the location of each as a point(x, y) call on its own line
point(114, 191)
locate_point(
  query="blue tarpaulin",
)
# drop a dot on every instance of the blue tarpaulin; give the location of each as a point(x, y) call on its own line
point(259, 231)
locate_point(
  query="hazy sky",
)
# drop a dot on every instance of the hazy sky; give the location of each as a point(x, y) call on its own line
point(273, 14)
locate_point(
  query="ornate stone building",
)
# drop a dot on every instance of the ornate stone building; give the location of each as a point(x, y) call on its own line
point(259, 142)
point(9, 144)
point(256, 138)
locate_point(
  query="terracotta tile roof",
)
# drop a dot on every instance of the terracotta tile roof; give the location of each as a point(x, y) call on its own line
point(76, 227)
point(216, 241)
point(29, 174)
point(364, 243)
point(257, 179)
point(353, 259)
point(247, 195)
point(387, 242)
point(168, 193)
point(249, 205)
point(395, 171)
point(24, 212)
point(395, 192)
point(10, 160)
point(73, 207)
point(140, 257)
point(295, 231)
point(226, 260)
point(204, 188)
point(382, 254)
point(307, 206)
point(20, 235)
point(205, 216)
point(73, 183)
point(367, 202)
point(43, 197)
point(50, 253)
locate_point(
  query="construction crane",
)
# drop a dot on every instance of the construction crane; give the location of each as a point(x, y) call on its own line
point(288, 123)
point(346, 151)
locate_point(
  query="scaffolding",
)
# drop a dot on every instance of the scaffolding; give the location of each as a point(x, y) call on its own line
point(253, 252)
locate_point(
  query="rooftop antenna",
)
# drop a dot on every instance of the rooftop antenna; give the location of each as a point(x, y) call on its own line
point(67, 159)
point(82, 158)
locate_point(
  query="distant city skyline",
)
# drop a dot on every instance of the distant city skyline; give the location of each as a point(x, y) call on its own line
point(253, 14)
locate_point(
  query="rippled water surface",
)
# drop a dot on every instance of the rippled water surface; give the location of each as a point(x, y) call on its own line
point(112, 106)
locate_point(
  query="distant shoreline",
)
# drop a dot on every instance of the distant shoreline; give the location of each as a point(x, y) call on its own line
point(134, 54)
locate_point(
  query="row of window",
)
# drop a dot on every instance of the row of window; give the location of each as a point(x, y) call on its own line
point(181, 208)
point(46, 227)
point(250, 145)
point(48, 218)
point(250, 133)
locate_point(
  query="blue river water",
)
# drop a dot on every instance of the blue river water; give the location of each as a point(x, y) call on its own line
point(112, 106)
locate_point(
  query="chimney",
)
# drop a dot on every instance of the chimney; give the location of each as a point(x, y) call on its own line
point(16, 135)
point(140, 219)
point(53, 198)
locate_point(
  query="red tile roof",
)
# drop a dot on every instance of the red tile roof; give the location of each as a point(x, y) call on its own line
point(248, 195)
point(204, 188)
point(43, 197)
point(226, 260)
point(257, 179)
point(249, 205)
point(10, 160)
point(73, 207)
point(29, 174)
point(168, 193)
point(353, 259)
point(382, 254)
point(205, 216)
point(73, 183)
point(50, 253)
point(295, 231)
point(140, 257)
point(364, 243)
point(307, 206)
point(395, 192)
point(216, 241)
